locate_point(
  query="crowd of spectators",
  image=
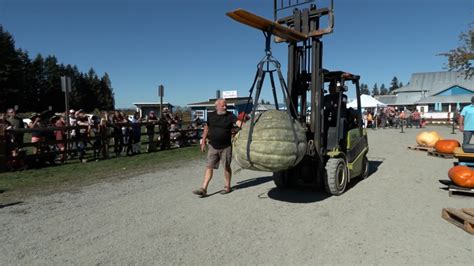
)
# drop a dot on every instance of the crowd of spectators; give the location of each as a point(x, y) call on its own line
point(392, 117)
point(114, 131)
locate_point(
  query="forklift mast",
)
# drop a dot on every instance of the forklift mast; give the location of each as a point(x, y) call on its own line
point(305, 58)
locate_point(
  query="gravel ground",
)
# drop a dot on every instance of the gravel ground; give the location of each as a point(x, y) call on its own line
point(393, 217)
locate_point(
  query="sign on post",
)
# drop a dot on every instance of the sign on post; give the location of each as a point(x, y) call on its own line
point(229, 94)
point(161, 93)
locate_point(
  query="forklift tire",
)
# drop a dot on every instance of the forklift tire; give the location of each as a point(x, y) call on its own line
point(365, 167)
point(336, 176)
point(281, 179)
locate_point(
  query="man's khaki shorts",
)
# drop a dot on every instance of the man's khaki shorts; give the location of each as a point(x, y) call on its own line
point(216, 155)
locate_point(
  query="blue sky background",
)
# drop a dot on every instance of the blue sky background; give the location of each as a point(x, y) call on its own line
point(194, 49)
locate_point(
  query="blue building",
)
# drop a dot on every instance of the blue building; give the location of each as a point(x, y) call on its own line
point(436, 95)
point(234, 105)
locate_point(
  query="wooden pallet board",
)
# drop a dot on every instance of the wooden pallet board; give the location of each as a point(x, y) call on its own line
point(462, 218)
point(440, 155)
point(419, 148)
point(264, 24)
point(459, 153)
point(456, 190)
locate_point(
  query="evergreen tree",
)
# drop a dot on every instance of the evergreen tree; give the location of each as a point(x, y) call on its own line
point(383, 90)
point(38, 83)
point(52, 94)
point(375, 90)
point(400, 85)
point(364, 89)
point(9, 71)
point(106, 95)
point(393, 85)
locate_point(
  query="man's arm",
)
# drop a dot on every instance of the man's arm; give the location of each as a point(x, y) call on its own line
point(204, 138)
point(461, 123)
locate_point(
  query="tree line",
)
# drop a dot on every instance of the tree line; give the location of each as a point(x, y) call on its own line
point(34, 84)
point(382, 90)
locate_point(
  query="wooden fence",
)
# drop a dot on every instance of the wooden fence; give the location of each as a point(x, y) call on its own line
point(22, 154)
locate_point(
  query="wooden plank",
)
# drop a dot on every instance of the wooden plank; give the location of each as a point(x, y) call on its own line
point(469, 211)
point(440, 154)
point(419, 148)
point(267, 25)
point(459, 153)
point(459, 218)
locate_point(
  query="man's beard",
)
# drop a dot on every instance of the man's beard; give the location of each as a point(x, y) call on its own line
point(221, 112)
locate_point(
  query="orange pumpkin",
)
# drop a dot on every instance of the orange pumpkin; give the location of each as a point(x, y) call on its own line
point(427, 139)
point(447, 145)
point(462, 176)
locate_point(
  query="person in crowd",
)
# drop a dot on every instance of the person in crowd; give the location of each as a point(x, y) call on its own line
point(175, 135)
point(82, 134)
point(409, 118)
point(60, 136)
point(466, 122)
point(164, 124)
point(36, 136)
point(96, 134)
point(218, 130)
point(72, 146)
point(118, 120)
point(416, 117)
point(136, 133)
point(16, 123)
point(151, 121)
point(370, 119)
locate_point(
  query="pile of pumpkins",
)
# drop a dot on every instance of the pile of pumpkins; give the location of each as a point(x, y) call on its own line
point(462, 176)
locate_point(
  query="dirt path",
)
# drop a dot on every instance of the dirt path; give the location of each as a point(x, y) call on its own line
point(393, 217)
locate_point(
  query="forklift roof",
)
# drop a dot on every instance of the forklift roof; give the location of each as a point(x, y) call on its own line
point(338, 75)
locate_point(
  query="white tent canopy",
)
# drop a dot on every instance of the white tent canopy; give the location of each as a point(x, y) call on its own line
point(366, 101)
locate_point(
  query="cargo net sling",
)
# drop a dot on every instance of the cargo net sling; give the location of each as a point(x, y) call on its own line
point(272, 140)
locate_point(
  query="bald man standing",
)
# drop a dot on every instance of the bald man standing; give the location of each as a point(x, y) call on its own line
point(218, 130)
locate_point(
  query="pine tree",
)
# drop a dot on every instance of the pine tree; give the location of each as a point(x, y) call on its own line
point(400, 85)
point(375, 90)
point(383, 90)
point(106, 93)
point(364, 89)
point(393, 85)
point(9, 71)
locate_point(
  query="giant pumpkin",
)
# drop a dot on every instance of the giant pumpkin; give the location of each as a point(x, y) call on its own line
point(462, 176)
point(446, 145)
point(278, 142)
point(427, 139)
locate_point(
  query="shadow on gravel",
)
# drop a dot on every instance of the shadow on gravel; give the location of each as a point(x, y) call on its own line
point(297, 195)
point(10, 204)
point(252, 182)
point(374, 165)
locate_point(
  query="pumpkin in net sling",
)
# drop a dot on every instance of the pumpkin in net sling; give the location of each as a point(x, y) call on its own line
point(462, 176)
point(278, 142)
point(446, 145)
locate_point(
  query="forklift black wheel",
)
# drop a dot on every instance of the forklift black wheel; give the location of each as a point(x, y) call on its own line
point(281, 179)
point(365, 168)
point(336, 176)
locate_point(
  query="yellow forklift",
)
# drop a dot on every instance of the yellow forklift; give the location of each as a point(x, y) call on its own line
point(337, 143)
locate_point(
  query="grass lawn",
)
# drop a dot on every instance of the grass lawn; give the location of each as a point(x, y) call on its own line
point(75, 174)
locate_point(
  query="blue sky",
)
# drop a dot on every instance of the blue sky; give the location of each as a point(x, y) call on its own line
point(194, 49)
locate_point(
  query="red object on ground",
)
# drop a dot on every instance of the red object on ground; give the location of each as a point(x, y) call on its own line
point(447, 145)
point(462, 176)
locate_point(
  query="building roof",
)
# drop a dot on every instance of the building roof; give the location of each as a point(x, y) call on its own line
point(151, 104)
point(433, 83)
point(230, 102)
point(465, 98)
point(408, 98)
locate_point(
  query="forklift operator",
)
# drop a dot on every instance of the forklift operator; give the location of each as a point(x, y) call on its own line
point(331, 102)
